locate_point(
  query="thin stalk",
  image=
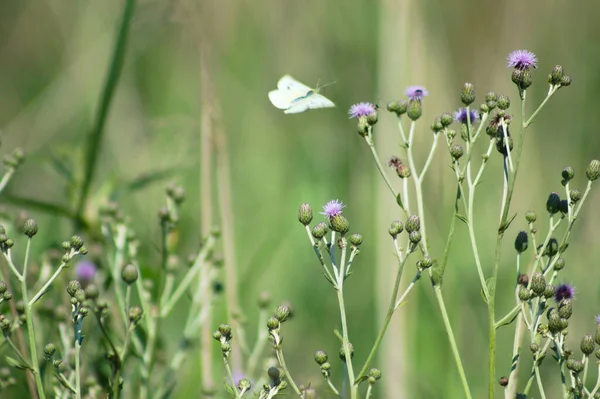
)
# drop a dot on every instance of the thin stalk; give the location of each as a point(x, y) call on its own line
point(538, 378)
point(371, 144)
point(30, 329)
point(77, 370)
point(95, 136)
point(281, 359)
point(6, 178)
point(43, 290)
point(597, 386)
point(455, 353)
point(346, 344)
point(386, 321)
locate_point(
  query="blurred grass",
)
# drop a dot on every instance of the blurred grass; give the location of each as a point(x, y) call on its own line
point(53, 60)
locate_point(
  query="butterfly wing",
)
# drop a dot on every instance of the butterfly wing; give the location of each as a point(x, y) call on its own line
point(313, 101)
point(283, 99)
point(289, 83)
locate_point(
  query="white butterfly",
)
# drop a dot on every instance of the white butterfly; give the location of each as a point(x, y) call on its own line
point(294, 97)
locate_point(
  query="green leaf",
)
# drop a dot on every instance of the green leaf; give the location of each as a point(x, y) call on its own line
point(17, 363)
point(63, 381)
point(563, 247)
point(483, 295)
point(505, 226)
point(490, 282)
point(462, 218)
point(508, 321)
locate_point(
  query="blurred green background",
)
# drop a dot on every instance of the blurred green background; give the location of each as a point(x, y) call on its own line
point(54, 55)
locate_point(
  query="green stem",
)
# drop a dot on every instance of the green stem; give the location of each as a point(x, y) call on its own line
point(77, 371)
point(95, 136)
point(386, 322)
point(43, 290)
point(369, 140)
point(538, 378)
point(597, 386)
point(346, 343)
point(455, 353)
point(6, 178)
point(281, 359)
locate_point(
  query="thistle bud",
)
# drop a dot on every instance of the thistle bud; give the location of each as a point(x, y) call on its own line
point(414, 237)
point(274, 374)
point(73, 287)
point(372, 118)
point(593, 170)
point(553, 203)
point(273, 323)
point(356, 239)
point(556, 75)
point(524, 293)
point(484, 109)
point(575, 195)
point(320, 357)
point(415, 110)
point(129, 274)
point(282, 313)
point(568, 173)
point(597, 335)
point(135, 314)
point(413, 223)
point(503, 102)
point(566, 81)
point(398, 107)
point(551, 248)
point(49, 350)
point(549, 291)
point(575, 366)
point(457, 151)
point(339, 223)
point(425, 263)
point(343, 352)
point(530, 217)
point(555, 324)
point(534, 347)
point(225, 331)
point(244, 385)
point(521, 242)
point(305, 214)
point(467, 95)
point(559, 264)
point(30, 228)
point(437, 126)
point(563, 206)
point(396, 228)
point(503, 381)
point(3, 287)
point(491, 100)
point(565, 309)
point(92, 292)
point(523, 279)
point(538, 283)
point(587, 344)
point(76, 242)
point(375, 373)
point(319, 231)
point(446, 119)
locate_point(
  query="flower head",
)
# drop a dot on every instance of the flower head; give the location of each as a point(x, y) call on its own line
point(416, 92)
point(361, 109)
point(85, 271)
point(522, 59)
point(461, 115)
point(332, 208)
point(564, 291)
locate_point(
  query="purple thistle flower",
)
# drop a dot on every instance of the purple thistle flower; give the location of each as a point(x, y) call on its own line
point(361, 109)
point(564, 291)
point(461, 115)
point(416, 92)
point(522, 59)
point(85, 271)
point(332, 208)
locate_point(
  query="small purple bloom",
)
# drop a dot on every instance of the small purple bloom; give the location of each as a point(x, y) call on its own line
point(416, 92)
point(461, 115)
point(85, 271)
point(522, 59)
point(564, 291)
point(332, 208)
point(361, 109)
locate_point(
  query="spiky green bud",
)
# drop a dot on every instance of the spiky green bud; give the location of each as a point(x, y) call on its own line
point(538, 283)
point(339, 223)
point(556, 75)
point(356, 239)
point(396, 228)
point(503, 102)
point(587, 344)
point(320, 357)
point(467, 95)
point(521, 242)
point(343, 352)
point(530, 217)
point(30, 228)
point(593, 170)
point(282, 313)
point(73, 287)
point(415, 109)
point(305, 214)
point(457, 151)
point(130, 274)
point(319, 231)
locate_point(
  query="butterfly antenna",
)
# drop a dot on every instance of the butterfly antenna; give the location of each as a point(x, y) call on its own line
point(325, 85)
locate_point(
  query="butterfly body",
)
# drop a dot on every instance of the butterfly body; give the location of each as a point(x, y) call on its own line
point(294, 97)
